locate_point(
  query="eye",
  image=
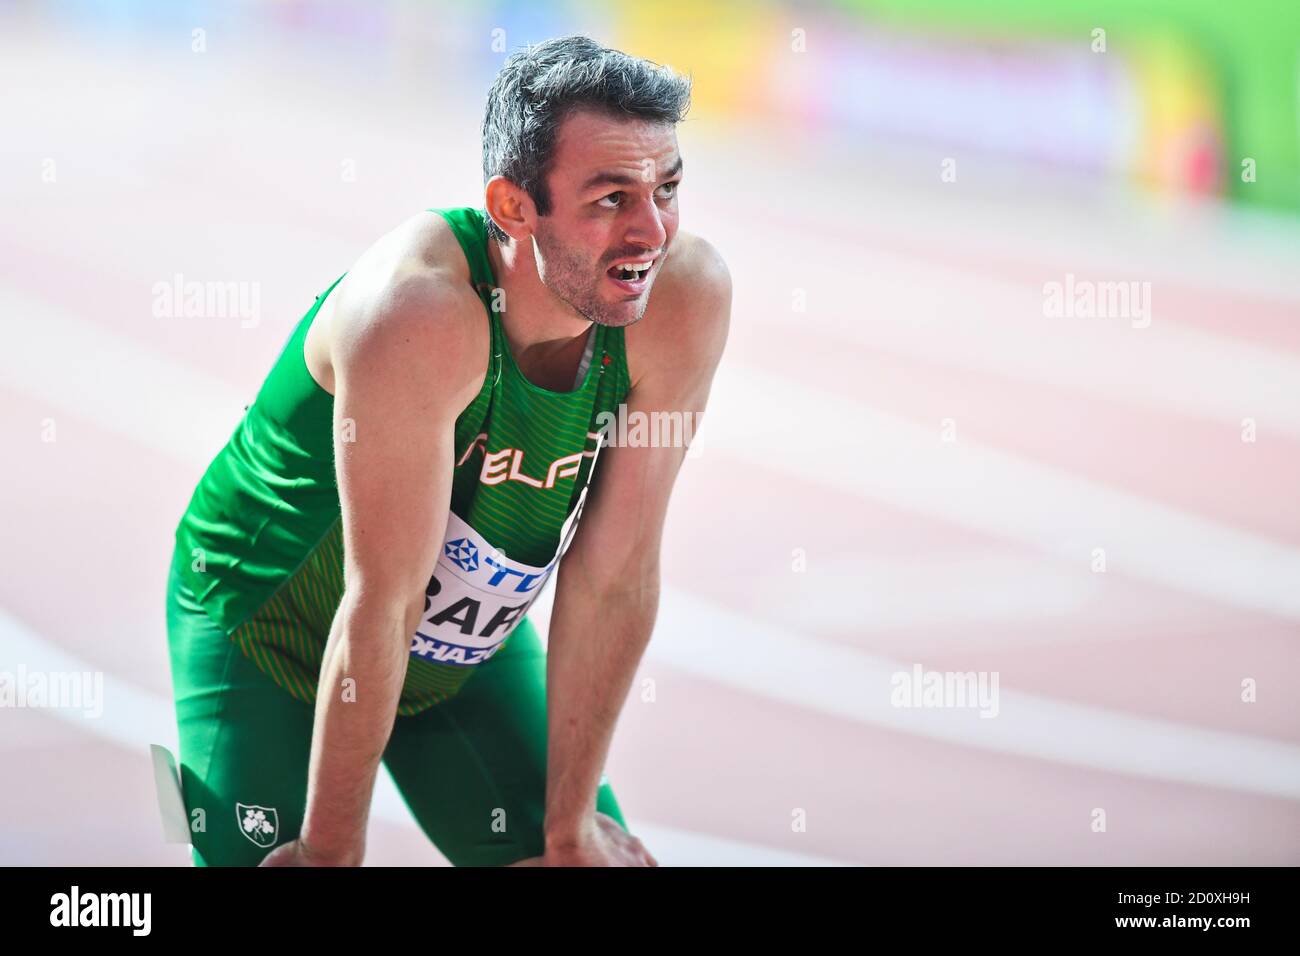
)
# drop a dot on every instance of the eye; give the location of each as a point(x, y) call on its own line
point(672, 190)
point(602, 200)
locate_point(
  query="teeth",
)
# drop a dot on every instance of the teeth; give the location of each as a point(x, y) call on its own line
point(637, 269)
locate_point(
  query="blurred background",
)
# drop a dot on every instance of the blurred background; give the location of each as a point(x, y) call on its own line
point(1012, 391)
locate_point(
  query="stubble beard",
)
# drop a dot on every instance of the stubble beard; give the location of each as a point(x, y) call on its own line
point(574, 280)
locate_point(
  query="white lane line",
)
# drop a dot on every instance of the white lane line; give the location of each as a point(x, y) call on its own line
point(711, 642)
point(707, 641)
point(835, 441)
point(797, 429)
point(129, 389)
point(937, 314)
point(829, 439)
point(964, 589)
point(133, 718)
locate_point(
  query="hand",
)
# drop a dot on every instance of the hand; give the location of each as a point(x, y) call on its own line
point(604, 843)
point(297, 853)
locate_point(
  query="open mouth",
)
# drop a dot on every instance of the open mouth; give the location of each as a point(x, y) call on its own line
point(631, 276)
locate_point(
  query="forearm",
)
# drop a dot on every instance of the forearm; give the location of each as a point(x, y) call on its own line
point(356, 703)
point(597, 639)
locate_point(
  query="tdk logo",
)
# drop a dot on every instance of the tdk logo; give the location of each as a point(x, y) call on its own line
point(526, 581)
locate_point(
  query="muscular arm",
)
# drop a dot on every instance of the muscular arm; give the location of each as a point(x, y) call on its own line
point(607, 593)
point(404, 357)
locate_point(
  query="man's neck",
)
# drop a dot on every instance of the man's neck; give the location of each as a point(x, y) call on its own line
point(546, 336)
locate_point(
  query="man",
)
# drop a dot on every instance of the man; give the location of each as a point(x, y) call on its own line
point(352, 576)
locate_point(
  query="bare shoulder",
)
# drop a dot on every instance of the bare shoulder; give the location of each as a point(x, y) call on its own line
point(408, 305)
point(686, 322)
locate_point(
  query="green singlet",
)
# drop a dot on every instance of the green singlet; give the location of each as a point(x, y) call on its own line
point(257, 576)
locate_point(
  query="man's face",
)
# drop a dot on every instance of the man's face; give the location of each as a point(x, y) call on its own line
point(613, 190)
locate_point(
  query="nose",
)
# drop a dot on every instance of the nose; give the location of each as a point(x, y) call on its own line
point(646, 227)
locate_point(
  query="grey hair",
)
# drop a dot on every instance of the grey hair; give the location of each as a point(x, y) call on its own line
point(541, 84)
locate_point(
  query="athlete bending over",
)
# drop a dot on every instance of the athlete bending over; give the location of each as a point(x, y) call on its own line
point(352, 576)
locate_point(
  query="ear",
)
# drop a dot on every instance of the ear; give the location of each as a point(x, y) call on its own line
point(510, 207)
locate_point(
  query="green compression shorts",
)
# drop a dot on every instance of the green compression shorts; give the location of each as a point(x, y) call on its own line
point(471, 769)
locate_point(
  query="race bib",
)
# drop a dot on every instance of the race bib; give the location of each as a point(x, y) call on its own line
point(478, 595)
